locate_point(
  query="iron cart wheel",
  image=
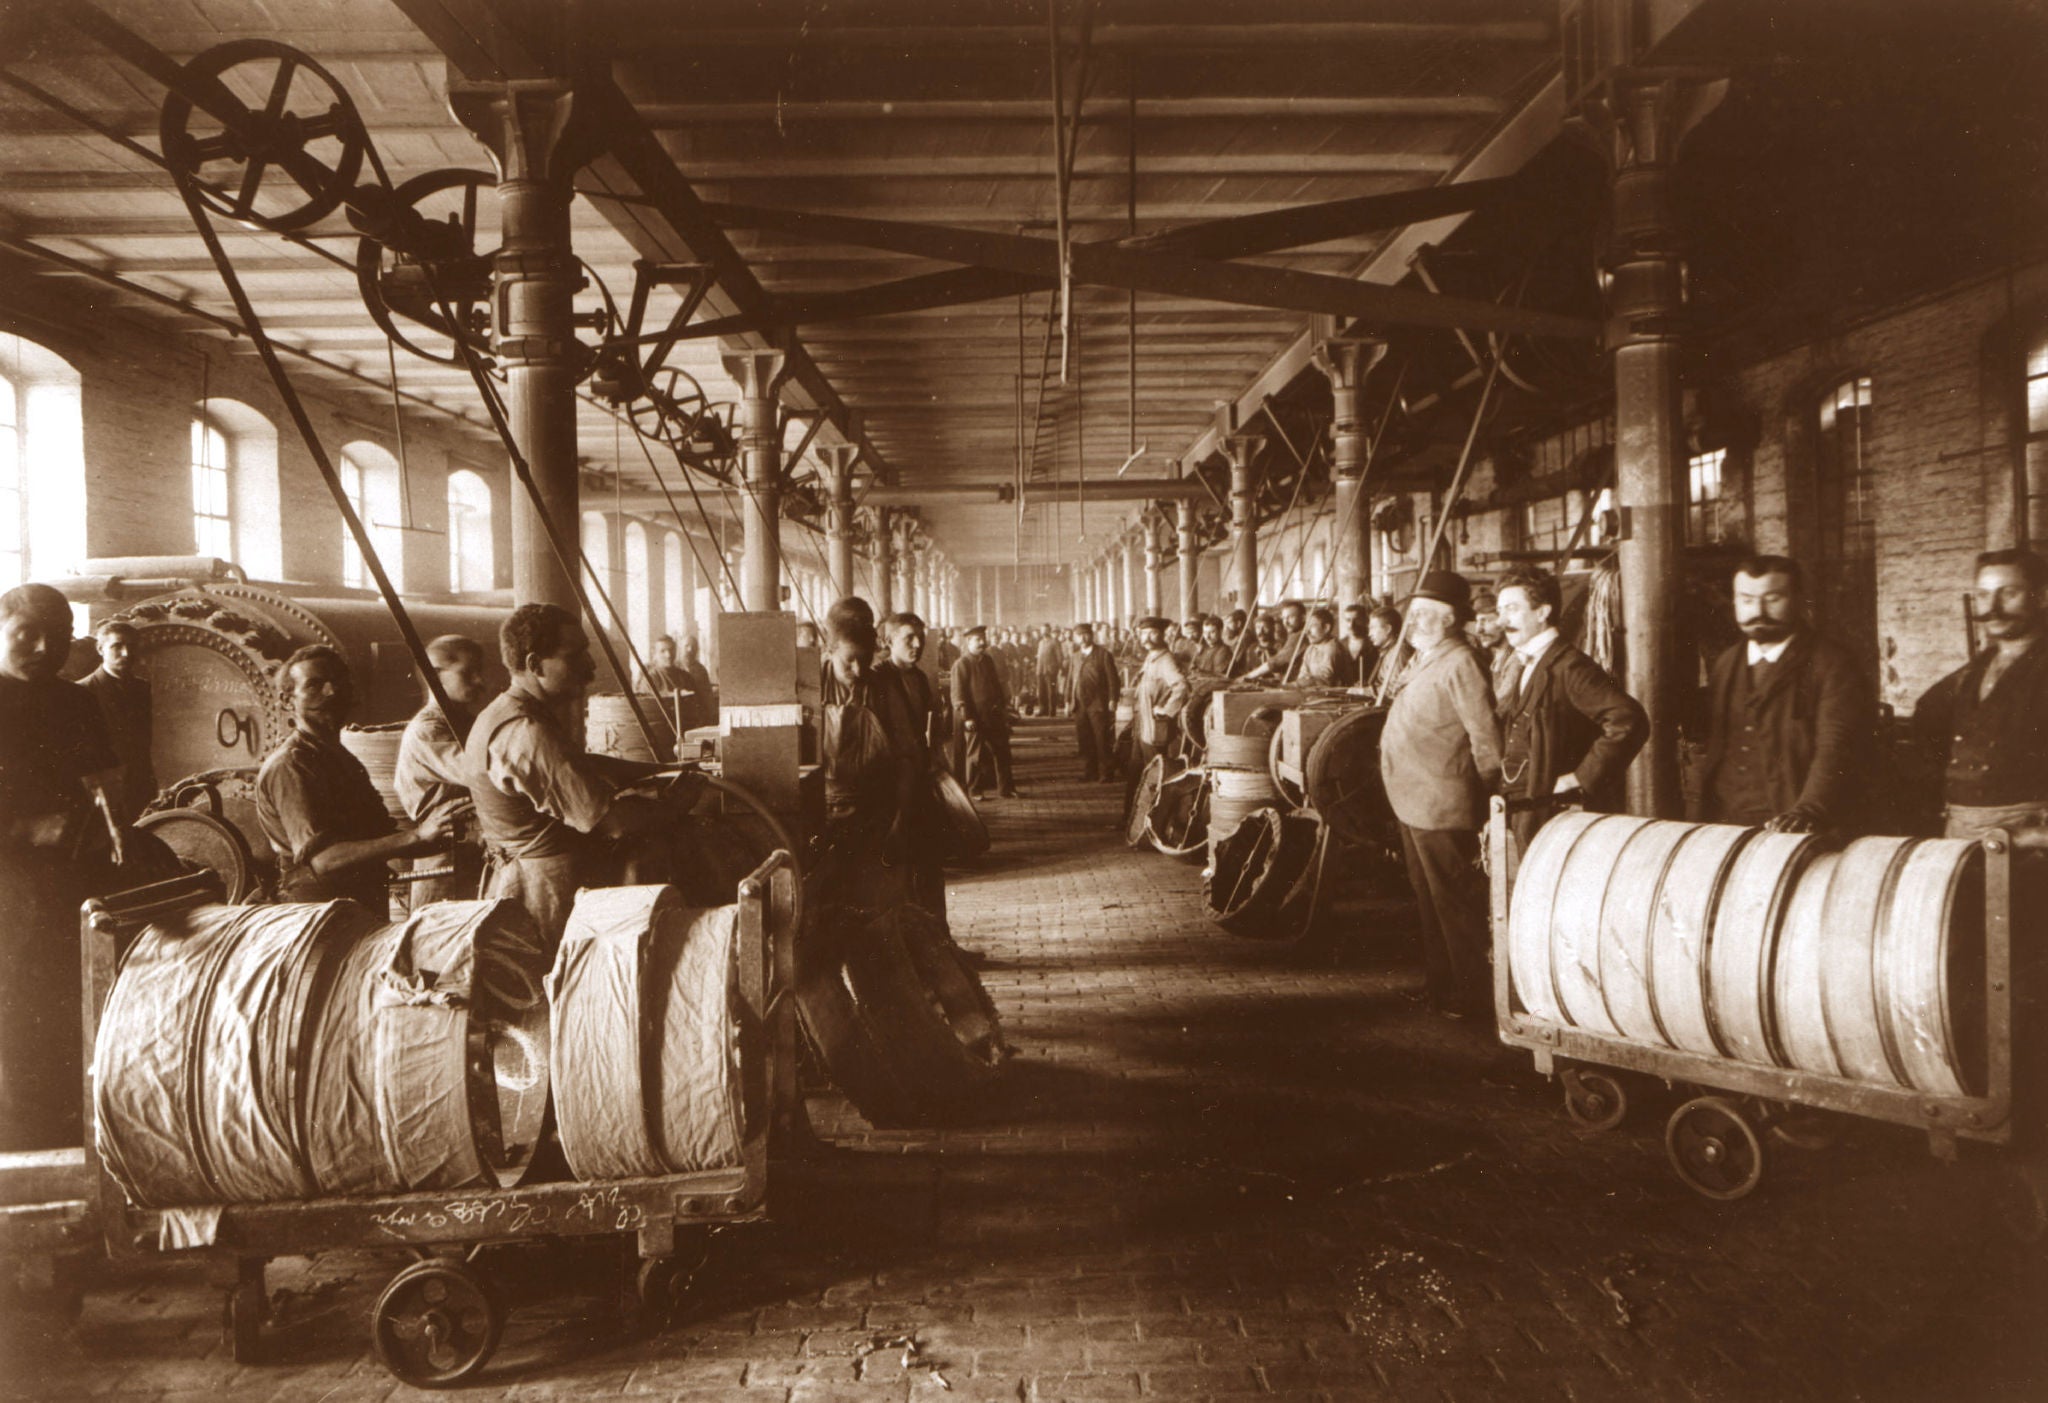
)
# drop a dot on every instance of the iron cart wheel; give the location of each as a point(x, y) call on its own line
point(659, 1288)
point(436, 1324)
point(1714, 1149)
point(1595, 1100)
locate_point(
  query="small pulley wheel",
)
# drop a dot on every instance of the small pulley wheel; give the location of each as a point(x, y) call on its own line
point(420, 262)
point(280, 160)
point(436, 1324)
point(659, 1288)
point(1713, 1148)
point(1595, 1100)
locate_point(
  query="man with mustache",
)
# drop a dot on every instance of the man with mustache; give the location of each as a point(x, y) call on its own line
point(1790, 714)
point(1988, 720)
point(315, 802)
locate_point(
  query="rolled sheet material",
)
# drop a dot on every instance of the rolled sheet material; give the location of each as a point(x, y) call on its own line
point(1729, 942)
point(651, 1054)
point(269, 1053)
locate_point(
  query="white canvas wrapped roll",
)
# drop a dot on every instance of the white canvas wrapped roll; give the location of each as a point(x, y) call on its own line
point(647, 1048)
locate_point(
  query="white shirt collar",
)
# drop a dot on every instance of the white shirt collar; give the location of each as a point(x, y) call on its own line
point(1536, 647)
point(1768, 652)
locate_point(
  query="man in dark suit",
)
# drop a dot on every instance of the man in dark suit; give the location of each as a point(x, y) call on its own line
point(1439, 758)
point(1790, 714)
point(1567, 729)
point(1095, 688)
point(125, 703)
point(982, 705)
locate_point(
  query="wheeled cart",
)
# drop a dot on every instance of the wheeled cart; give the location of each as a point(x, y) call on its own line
point(438, 1320)
point(1715, 1139)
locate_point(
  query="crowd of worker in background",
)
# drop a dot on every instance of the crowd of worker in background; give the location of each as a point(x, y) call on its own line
point(1485, 696)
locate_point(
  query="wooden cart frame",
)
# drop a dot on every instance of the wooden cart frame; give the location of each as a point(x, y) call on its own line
point(1560, 1048)
point(438, 1321)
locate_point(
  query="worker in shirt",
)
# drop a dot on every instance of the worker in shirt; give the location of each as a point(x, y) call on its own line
point(1568, 730)
point(315, 802)
point(544, 806)
point(428, 775)
point(124, 702)
point(57, 773)
point(1162, 694)
point(1383, 634)
point(1280, 663)
point(1213, 657)
point(1323, 661)
point(981, 705)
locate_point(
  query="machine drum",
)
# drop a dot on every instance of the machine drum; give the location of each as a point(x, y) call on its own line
point(651, 1058)
point(1258, 867)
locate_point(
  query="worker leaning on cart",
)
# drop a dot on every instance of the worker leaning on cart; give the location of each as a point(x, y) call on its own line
point(315, 802)
point(542, 803)
point(1568, 730)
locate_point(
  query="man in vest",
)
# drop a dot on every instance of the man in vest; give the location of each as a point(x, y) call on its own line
point(1567, 730)
point(1790, 716)
point(982, 705)
point(1096, 687)
point(542, 804)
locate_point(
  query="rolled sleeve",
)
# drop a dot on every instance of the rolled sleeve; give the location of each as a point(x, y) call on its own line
point(529, 760)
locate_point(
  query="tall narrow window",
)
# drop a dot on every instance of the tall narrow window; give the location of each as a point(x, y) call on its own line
point(674, 587)
point(1848, 511)
point(597, 553)
point(1703, 498)
point(2036, 515)
point(13, 502)
point(471, 564)
point(639, 588)
point(1846, 517)
point(213, 526)
point(353, 572)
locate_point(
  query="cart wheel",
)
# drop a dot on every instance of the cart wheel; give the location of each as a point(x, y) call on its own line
point(659, 1288)
point(436, 1324)
point(1594, 1100)
point(1713, 1148)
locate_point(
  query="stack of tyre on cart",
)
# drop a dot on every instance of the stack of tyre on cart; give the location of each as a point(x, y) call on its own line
point(273, 1080)
point(1782, 982)
point(1278, 794)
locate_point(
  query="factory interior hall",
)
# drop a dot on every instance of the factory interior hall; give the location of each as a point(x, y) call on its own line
point(1023, 699)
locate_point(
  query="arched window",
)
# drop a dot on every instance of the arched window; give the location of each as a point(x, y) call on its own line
point(13, 498)
point(674, 587)
point(42, 463)
point(471, 564)
point(369, 476)
point(639, 588)
point(213, 520)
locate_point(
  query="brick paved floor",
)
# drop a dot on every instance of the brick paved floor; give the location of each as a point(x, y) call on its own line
point(1212, 1174)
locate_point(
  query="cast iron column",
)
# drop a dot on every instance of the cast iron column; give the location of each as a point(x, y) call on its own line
point(1154, 562)
point(1190, 558)
point(1347, 362)
point(1242, 449)
point(885, 564)
point(838, 460)
point(756, 373)
point(538, 143)
point(1637, 121)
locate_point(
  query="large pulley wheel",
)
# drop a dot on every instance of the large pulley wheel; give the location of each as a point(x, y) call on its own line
point(436, 1324)
point(420, 262)
point(1714, 1149)
point(1178, 821)
point(278, 145)
point(1595, 1100)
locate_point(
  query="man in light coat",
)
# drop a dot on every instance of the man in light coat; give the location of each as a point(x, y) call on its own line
point(1439, 759)
point(1155, 714)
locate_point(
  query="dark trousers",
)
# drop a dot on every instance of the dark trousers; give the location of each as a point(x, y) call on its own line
point(1048, 692)
point(1093, 731)
point(988, 750)
point(1450, 893)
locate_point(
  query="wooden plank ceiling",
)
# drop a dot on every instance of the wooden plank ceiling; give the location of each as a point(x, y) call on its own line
point(923, 112)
